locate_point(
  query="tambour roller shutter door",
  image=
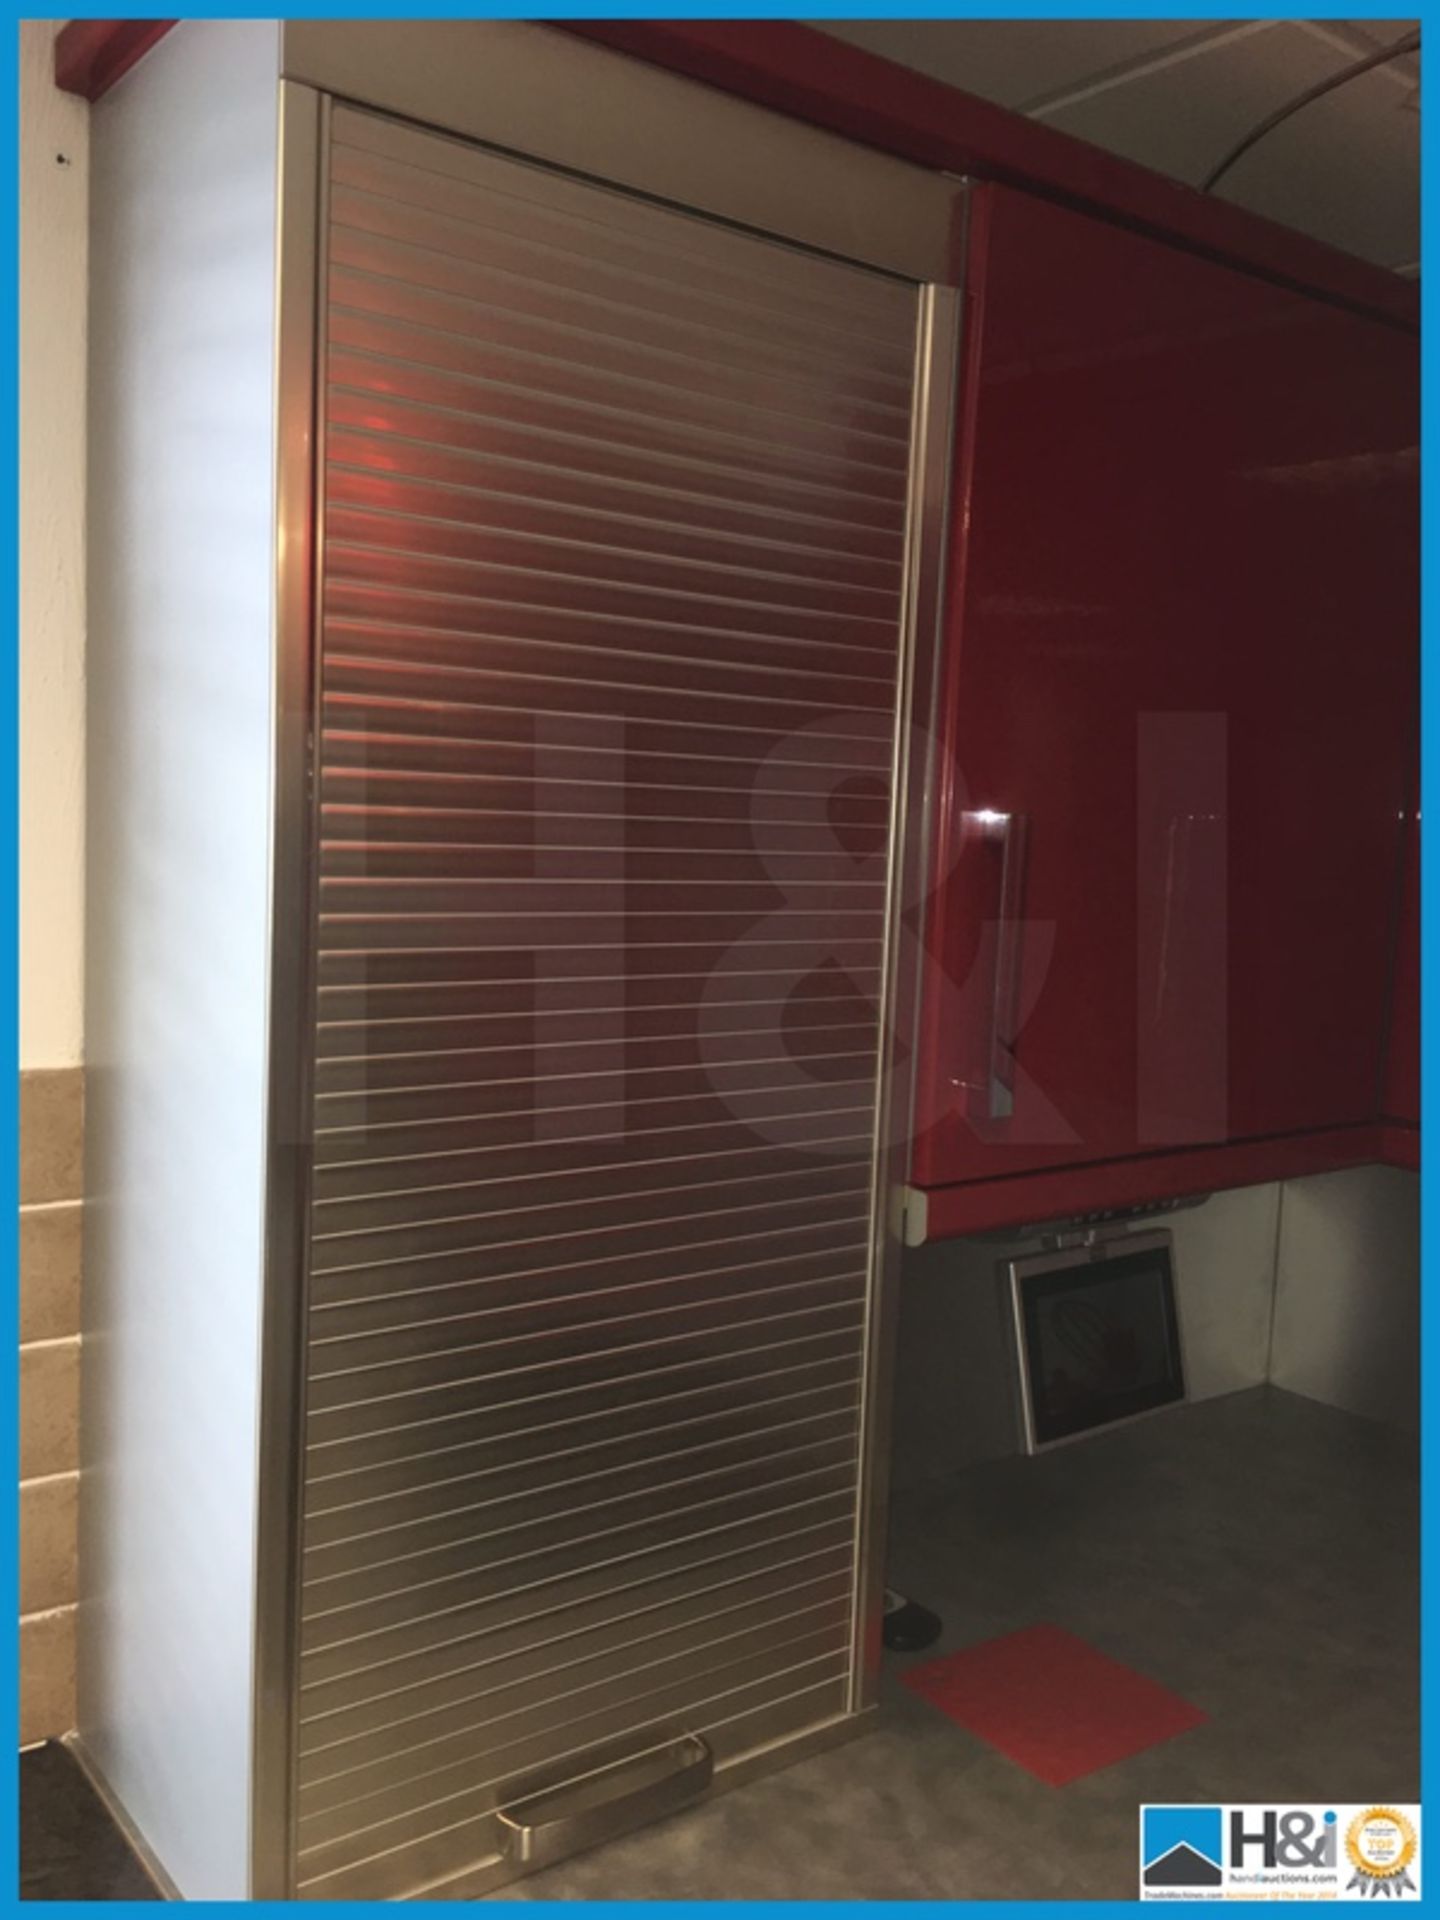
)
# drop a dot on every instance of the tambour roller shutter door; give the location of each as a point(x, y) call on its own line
point(614, 519)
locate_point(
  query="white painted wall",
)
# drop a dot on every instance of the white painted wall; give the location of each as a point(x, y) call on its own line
point(53, 265)
point(1225, 1288)
point(1347, 1293)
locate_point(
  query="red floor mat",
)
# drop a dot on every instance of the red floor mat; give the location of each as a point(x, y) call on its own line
point(1052, 1703)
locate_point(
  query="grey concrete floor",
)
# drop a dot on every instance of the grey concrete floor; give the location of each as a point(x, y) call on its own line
point(1258, 1554)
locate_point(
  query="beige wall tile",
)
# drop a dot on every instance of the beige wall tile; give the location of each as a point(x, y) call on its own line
point(47, 1675)
point(50, 1246)
point(52, 1130)
point(48, 1510)
point(49, 1408)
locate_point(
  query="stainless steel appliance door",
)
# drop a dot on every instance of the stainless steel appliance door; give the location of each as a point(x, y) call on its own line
point(615, 512)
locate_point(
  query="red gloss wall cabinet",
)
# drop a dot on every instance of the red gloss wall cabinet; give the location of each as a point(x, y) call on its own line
point(1180, 661)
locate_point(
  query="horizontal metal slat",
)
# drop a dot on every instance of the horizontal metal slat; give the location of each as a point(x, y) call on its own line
point(558, 1108)
point(618, 1288)
point(699, 360)
point(616, 626)
point(375, 1677)
point(425, 1641)
point(411, 863)
point(607, 892)
point(768, 619)
point(642, 251)
point(714, 483)
point(404, 1425)
point(373, 1497)
point(399, 1425)
point(362, 1755)
point(757, 1242)
point(423, 785)
point(392, 653)
point(519, 1180)
point(413, 1327)
point(348, 1803)
point(614, 1142)
point(609, 375)
point(571, 399)
point(427, 647)
point(338, 1837)
point(429, 1865)
point(806, 1052)
point(393, 356)
point(347, 1471)
point(383, 1261)
point(465, 1726)
point(497, 845)
point(449, 1345)
point(817, 1136)
point(378, 1006)
point(702, 1192)
point(479, 1223)
point(674, 321)
point(602, 372)
point(453, 1538)
point(462, 1575)
point(366, 1372)
point(557, 594)
point(415, 790)
point(713, 1053)
point(379, 358)
point(505, 473)
point(426, 328)
point(611, 538)
point(344, 1711)
point(440, 1536)
point(515, 1122)
point(752, 937)
point(463, 961)
point(609, 887)
point(501, 276)
point(560, 765)
point(454, 176)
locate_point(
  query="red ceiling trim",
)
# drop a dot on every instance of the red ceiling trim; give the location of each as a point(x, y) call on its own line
point(815, 77)
point(812, 76)
point(91, 55)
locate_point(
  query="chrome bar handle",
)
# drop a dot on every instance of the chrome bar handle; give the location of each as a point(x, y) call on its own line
point(1013, 832)
point(553, 1822)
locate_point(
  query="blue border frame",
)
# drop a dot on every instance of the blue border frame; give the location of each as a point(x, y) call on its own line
point(1430, 784)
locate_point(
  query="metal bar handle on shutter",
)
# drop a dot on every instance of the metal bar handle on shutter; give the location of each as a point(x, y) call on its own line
point(555, 1822)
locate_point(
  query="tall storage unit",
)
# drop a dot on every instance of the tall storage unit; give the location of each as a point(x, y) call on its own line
point(485, 1434)
point(611, 610)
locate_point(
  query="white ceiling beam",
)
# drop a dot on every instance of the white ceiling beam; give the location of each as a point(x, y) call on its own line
point(1127, 72)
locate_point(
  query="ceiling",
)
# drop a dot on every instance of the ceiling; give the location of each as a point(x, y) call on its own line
point(1176, 95)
